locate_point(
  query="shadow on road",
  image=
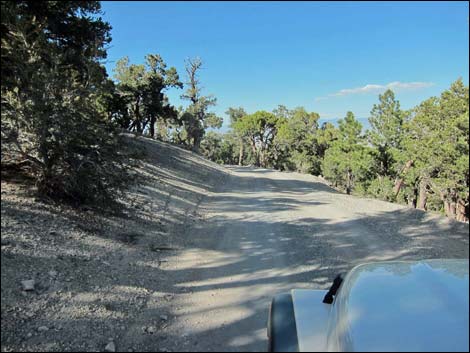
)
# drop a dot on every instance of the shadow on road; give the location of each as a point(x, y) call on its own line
point(245, 252)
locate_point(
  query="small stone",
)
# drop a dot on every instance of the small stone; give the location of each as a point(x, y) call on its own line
point(43, 328)
point(52, 274)
point(151, 329)
point(110, 347)
point(28, 285)
point(52, 232)
point(29, 335)
point(164, 317)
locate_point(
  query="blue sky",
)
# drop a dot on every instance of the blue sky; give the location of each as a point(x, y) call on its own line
point(328, 57)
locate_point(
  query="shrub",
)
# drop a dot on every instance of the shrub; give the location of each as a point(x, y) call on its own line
point(52, 82)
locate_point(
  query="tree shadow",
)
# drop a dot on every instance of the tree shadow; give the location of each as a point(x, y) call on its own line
point(313, 250)
point(244, 254)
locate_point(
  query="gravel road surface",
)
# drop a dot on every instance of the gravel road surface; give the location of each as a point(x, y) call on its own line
point(194, 257)
point(266, 232)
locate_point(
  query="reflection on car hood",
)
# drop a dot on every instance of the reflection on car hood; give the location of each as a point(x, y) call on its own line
point(402, 306)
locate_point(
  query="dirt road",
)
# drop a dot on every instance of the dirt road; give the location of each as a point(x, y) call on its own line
point(114, 281)
point(266, 232)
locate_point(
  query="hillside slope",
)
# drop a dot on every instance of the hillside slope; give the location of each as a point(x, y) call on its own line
point(193, 260)
point(95, 273)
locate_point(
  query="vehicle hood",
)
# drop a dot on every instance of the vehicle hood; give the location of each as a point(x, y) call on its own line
point(402, 306)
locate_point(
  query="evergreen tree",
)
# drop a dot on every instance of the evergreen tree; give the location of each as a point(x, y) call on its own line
point(386, 132)
point(236, 114)
point(52, 89)
point(348, 161)
point(141, 88)
point(197, 117)
point(437, 141)
point(259, 129)
point(297, 139)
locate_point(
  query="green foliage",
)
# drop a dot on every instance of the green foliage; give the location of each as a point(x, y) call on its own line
point(52, 86)
point(386, 132)
point(419, 157)
point(235, 114)
point(297, 140)
point(259, 129)
point(326, 136)
point(197, 117)
point(220, 148)
point(348, 161)
point(61, 114)
point(139, 98)
point(381, 188)
point(437, 141)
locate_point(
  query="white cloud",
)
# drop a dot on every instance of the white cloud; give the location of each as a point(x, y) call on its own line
point(373, 88)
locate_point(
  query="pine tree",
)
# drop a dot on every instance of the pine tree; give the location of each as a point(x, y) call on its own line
point(348, 161)
point(438, 143)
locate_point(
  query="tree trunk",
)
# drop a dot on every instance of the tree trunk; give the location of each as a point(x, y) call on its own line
point(255, 153)
point(240, 156)
point(412, 201)
point(452, 209)
point(153, 119)
point(399, 180)
point(162, 130)
point(144, 124)
point(196, 143)
point(264, 155)
point(446, 207)
point(138, 122)
point(132, 126)
point(449, 206)
point(461, 211)
point(423, 195)
point(348, 182)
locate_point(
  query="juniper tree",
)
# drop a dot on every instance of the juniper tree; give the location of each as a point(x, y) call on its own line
point(260, 129)
point(437, 141)
point(348, 161)
point(236, 114)
point(52, 84)
point(198, 117)
point(143, 88)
